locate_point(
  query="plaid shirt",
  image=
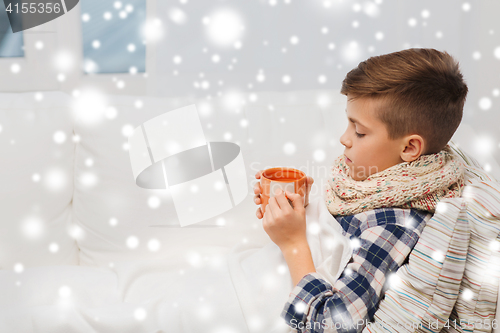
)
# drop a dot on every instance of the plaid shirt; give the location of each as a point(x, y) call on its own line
point(382, 240)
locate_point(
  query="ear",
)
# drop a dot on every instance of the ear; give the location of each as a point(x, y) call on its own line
point(413, 148)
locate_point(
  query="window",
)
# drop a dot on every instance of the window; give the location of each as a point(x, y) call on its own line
point(11, 44)
point(112, 37)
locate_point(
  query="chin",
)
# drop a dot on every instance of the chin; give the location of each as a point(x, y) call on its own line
point(357, 178)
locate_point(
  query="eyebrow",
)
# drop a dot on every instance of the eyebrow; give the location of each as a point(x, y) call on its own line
point(355, 121)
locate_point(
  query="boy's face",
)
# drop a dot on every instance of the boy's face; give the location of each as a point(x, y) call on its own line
point(368, 149)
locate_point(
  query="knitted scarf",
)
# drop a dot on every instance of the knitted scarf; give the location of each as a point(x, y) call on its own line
point(419, 184)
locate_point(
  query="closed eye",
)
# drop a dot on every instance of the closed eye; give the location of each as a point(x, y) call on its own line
point(359, 135)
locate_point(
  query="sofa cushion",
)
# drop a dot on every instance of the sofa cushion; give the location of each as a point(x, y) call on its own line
point(36, 140)
point(120, 221)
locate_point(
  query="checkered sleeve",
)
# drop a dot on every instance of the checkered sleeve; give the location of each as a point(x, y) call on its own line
point(381, 244)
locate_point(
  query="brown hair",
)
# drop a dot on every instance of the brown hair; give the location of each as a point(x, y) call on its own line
point(423, 93)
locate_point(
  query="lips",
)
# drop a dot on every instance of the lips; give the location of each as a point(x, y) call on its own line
point(347, 159)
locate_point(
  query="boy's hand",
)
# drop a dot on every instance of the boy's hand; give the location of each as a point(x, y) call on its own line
point(286, 225)
point(257, 190)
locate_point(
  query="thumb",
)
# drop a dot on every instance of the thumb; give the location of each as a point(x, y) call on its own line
point(309, 182)
point(296, 199)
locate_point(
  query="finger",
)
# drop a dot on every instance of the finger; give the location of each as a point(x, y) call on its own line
point(297, 200)
point(256, 188)
point(257, 200)
point(309, 181)
point(267, 216)
point(272, 207)
point(258, 174)
point(282, 200)
point(258, 213)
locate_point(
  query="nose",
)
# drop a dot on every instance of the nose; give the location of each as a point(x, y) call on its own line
point(345, 140)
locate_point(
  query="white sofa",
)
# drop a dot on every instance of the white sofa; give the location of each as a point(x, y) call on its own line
point(84, 249)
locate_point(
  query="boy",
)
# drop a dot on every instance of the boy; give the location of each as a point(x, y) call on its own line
point(402, 108)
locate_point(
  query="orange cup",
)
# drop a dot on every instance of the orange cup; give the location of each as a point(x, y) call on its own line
point(288, 179)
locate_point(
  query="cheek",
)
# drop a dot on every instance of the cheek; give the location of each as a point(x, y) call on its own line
point(364, 155)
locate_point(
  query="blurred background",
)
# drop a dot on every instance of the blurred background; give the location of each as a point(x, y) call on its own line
point(230, 49)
